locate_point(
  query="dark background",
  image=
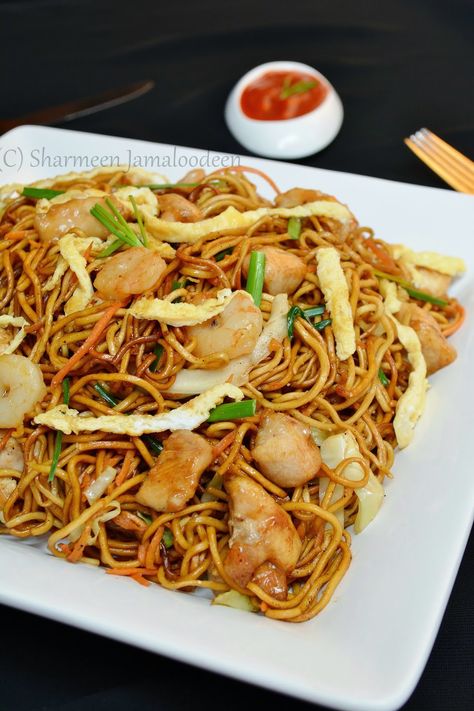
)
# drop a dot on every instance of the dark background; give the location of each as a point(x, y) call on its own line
point(397, 65)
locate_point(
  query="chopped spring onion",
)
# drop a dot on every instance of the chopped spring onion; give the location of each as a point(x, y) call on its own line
point(414, 293)
point(144, 517)
point(169, 186)
point(167, 538)
point(294, 227)
point(301, 87)
point(256, 276)
point(59, 435)
point(383, 378)
point(139, 220)
point(158, 351)
point(220, 255)
point(321, 325)
point(233, 411)
point(39, 193)
point(152, 443)
point(105, 395)
point(116, 224)
point(296, 311)
point(179, 285)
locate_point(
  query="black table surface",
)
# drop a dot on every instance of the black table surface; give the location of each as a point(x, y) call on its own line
point(397, 65)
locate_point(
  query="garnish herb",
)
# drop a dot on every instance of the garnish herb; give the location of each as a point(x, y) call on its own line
point(220, 255)
point(255, 276)
point(158, 351)
point(294, 227)
point(169, 186)
point(152, 443)
point(117, 225)
point(39, 193)
point(233, 411)
point(59, 435)
point(296, 311)
point(409, 288)
point(167, 538)
point(105, 395)
point(139, 220)
point(383, 378)
point(301, 87)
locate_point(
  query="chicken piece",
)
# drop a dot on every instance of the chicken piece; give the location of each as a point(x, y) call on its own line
point(11, 456)
point(174, 478)
point(272, 580)
point(261, 531)
point(7, 487)
point(284, 271)
point(285, 450)
point(300, 196)
point(436, 350)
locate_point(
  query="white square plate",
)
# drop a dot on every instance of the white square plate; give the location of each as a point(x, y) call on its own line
point(367, 649)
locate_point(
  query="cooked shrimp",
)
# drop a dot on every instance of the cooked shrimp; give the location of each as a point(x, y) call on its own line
point(261, 531)
point(132, 271)
point(11, 456)
point(176, 208)
point(436, 350)
point(174, 478)
point(234, 331)
point(300, 196)
point(284, 271)
point(285, 451)
point(21, 387)
point(194, 176)
point(272, 580)
point(62, 217)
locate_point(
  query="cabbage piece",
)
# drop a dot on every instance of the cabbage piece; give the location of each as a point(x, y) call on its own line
point(232, 598)
point(334, 450)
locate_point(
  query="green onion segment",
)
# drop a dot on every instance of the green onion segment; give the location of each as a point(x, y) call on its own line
point(256, 276)
point(39, 193)
point(294, 227)
point(296, 311)
point(414, 293)
point(233, 411)
point(59, 435)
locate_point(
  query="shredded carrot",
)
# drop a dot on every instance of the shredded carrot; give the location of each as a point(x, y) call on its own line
point(131, 571)
point(453, 327)
point(384, 260)
point(5, 438)
point(123, 473)
point(248, 169)
point(80, 544)
point(16, 235)
point(89, 343)
point(141, 580)
point(224, 443)
point(263, 606)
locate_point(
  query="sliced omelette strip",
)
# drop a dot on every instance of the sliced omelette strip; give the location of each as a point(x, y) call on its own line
point(180, 313)
point(232, 219)
point(336, 294)
point(185, 417)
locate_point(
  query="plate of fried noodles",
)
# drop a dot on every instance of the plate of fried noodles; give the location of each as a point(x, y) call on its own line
point(233, 398)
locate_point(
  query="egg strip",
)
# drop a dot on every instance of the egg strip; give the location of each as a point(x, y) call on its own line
point(336, 294)
point(233, 219)
point(185, 417)
point(429, 260)
point(182, 314)
point(18, 322)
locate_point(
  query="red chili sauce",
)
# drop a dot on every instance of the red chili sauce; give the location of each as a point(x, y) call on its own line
point(276, 96)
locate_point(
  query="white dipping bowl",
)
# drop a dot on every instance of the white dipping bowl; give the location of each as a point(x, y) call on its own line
point(286, 138)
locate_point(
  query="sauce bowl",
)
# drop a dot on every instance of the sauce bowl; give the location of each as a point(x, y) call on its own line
point(289, 137)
